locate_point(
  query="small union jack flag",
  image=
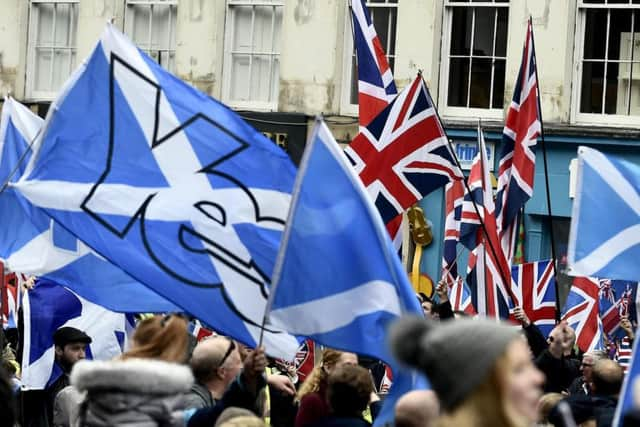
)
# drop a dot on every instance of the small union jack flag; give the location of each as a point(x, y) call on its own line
point(612, 307)
point(403, 154)
point(517, 161)
point(535, 292)
point(460, 297)
point(454, 194)
point(581, 313)
point(623, 353)
point(376, 88)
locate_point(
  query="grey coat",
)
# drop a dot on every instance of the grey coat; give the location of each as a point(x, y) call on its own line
point(132, 392)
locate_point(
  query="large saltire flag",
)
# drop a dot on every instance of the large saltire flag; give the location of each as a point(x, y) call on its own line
point(34, 244)
point(403, 155)
point(581, 312)
point(606, 246)
point(325, 286)
point(168, 184)
point(376, 88)
point(517, 162)
point(49, 306)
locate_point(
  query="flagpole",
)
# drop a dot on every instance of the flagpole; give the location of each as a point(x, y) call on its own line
point(507, 283)
point(546, 175)
point(4, 301)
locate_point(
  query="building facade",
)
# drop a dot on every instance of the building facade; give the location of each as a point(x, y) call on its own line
point(281, 62)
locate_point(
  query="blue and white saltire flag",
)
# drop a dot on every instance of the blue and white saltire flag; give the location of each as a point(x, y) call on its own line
point(32, 243)
point(168, 184)
point(626, 400)
point(49, 306)
point(338, 279)
point(604, 240)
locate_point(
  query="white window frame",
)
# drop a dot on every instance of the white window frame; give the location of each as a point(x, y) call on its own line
point(31, 92)
point(129, 22)
point(228, 52)
point(578, 117)
point(466, 112)
point(346, 107)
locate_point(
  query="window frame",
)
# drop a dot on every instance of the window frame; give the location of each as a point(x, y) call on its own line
point(228, 53)
point(346, 107)
point(129, 27)
point(598, 119)
point(467, 113)
point(30, 74)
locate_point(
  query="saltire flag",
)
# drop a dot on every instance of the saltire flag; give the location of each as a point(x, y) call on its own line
point(535, 291)
point(454, 195)
point(581, 312)
point(605, 248)
point(168, 184)
point(488, 271)
point(617, 298)
point(50, 306)
point(403, 155)
point(460, 297)
point(627, 399)
point(376, 88)
point(330, 221)
point(34, 244)
point(516, 168)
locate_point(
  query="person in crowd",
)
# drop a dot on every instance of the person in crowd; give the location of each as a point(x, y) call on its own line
point(481, 370)
point(600, 406)
point(145, 386)
point(231, 413)
point(581, 384)
point(545, 404)
point(8, 414)
point(349, 391)
point(418, 408)
point(313, 393)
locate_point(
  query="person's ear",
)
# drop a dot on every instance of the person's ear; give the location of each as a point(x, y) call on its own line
point(59, 350)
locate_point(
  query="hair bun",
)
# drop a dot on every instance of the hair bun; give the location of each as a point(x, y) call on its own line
point(405, 338)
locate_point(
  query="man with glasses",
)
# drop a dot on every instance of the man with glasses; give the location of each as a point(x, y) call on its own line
point(581, 385)
point(222, 378)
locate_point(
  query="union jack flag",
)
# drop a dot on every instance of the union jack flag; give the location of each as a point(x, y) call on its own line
point(403, 154)
point(581, 312)
point(460, 297)
point(612, 307)
point(623, 353)
point(535, 292)
point(517, 161)
point(454, 194)
point(198, 331)
point(376, 88)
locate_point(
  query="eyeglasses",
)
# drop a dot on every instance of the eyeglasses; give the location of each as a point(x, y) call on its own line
point(232, 346)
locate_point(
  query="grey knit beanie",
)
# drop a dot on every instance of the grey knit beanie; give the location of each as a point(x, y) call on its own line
point(456, 355)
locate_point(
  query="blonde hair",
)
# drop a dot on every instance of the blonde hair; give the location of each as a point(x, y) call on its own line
point(318, 375)
point(160, 337)
point(546, 403)
point(486, 406)
point(244, 421)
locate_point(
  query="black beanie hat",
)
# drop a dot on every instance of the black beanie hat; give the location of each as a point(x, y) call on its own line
point(67, 334)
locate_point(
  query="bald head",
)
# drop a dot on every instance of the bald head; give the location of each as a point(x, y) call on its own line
point(607, 377)
point(207, 357)
point(417, 408)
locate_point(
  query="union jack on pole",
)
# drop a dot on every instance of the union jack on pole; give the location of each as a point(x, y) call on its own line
point(454, 194)
point(517, 161)
point(535, 292)
point(403, 154)
point(581, 312)
point(617, 299)
point(376, 88)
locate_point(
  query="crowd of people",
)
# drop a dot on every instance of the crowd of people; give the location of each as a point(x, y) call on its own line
point(481, 372)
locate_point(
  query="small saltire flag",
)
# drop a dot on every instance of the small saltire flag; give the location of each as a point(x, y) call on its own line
point(49, 306)
point(535, 291)
point(168, 184)
point(34, 244)
point(581, 313)
point(605, 246)
point(626, 400)
point(617, 298)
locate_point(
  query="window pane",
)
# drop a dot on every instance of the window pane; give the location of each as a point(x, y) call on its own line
point(458, 82)
point(595, 34)
point(161, 26)
point(61, 67)
point(501, 33)
point(591, 91)
point(620, 23)
point(260, 78)
point(498, 83)
point(262, 35)
point(45, 25)
point(63, 14)
point(240, 77)
point(611, 100)
point(141, 22)
point(42, 69)
point(461, 31)
point(242, 28)
point(619, 1)
point(485, 20)
point(480, 83)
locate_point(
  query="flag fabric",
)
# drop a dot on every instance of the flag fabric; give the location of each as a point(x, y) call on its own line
point(617, 298)
point(516, 168)
point(49, 306)
point(454, 195)
point(460, 297)
point(376, 88)
point(581, 312)
point(303, 363)
point(403, 155)
point(623, 353)
point(626, 399)
point(198, 331)
point(535, 291)
point(605, 248)
point(168, 184)
point(10, 299)
point(32, 243)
